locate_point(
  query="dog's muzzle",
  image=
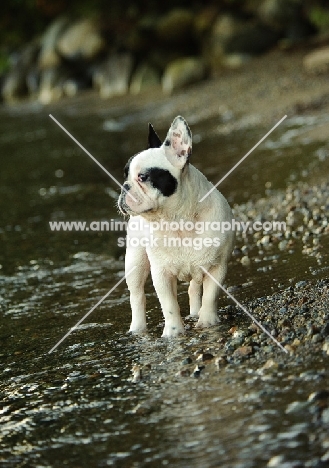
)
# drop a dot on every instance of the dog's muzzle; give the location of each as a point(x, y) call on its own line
point(122, 199)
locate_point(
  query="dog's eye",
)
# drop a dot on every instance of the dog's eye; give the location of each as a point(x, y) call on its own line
point(142, 177)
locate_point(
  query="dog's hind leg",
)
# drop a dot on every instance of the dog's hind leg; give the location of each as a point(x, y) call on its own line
point(208, 312)
point(135, 282)
point(195, 295)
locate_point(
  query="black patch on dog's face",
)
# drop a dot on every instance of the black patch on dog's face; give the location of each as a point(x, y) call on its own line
point(162, 180)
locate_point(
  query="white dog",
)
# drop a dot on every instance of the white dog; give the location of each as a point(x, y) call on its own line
point(161, 194)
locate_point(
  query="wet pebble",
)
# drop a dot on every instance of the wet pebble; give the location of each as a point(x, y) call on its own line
point(197, 371)
point(297, 407)
point(270, 364)
point(317, 338)
point(221, 361)
point(245, 260)
point(325, 330)
point(325, 457)
point(204, 357)
point(183, 373)
point(318, 396)
point(325, 416)
point(137, 374)
point(142, 409)
point(283, 245)
point(300, 284)
point(187, 360)
point(275, 461)
point(325, 347)
point(243, 351)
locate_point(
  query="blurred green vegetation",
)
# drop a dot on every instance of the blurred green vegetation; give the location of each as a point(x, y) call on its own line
point(319, 17)
point(21, 20)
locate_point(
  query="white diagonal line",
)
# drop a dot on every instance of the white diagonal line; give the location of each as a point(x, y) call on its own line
point(242, 159)
point(246, 311)
point(91, 156)
point(91, 310)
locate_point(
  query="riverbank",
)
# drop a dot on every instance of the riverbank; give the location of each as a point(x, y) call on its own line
point(227, 396)
point(263, 90)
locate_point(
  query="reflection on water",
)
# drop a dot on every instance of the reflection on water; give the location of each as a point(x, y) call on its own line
point(79, 406)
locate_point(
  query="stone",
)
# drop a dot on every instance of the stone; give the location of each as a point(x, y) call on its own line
point(325, 457)
point(245, 260)
point(317, 62)
point(182, 72)
point(297, 407)
point(142, 409)
point(187, 360)
point(81, 40)
point(204, 20)
point(204, 357)
point(48, 56)
point(318, 396)
point(243, 351)
point(279, 13)
point(144, 79)
point(15, 83)
point(235, 61)
point(325, 416)
point(141, 35)
point(197, 371)
point(137, 374)
point(270, 364)
point(275, 461)
point(291, 349)
point(183, 373)
point(175, 27)
point(113, 76)
point(231, 36)
point(317, 338)
point(72, 86)
point(253, 39)
point(325, 347)
point(221, 361)
point(51, 85)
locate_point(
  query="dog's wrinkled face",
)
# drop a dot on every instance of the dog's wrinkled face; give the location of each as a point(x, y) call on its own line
point(154, 175)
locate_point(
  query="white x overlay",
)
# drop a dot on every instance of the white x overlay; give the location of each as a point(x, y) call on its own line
point(91, 310)
point(242, 159)
point(205, 271)
point(245, 311)
point(91, 156)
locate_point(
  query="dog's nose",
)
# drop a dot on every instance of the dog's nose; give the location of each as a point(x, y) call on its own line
point(126, 187)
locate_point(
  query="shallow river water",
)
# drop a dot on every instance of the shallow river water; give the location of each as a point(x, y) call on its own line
point(80, 406)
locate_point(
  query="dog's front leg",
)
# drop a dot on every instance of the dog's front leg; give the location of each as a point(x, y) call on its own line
point(165, 285)
point(137, 257)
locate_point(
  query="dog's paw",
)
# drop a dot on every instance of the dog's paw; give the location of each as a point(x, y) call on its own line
point(206, 322)
point(194, 313)
point(172, 331)
point(137, 329)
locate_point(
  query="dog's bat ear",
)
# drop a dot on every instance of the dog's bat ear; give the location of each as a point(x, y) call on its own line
point(178, 143)
point(153, 139)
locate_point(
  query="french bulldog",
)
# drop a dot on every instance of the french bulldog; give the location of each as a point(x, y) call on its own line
point(161, 195)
